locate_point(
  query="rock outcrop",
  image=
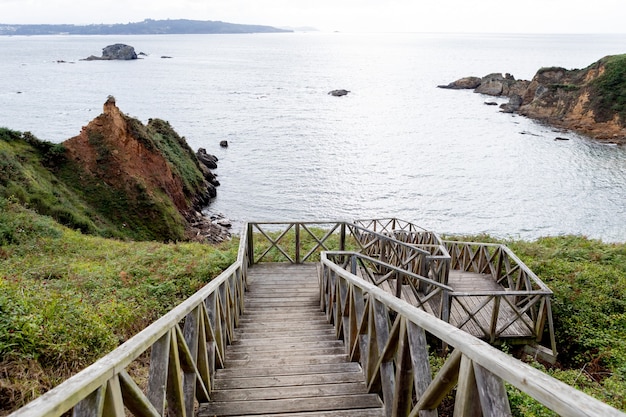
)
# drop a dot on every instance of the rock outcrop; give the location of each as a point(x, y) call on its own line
point(590, 101)
point(143, 177)
point(118, 51)
point(338, 93)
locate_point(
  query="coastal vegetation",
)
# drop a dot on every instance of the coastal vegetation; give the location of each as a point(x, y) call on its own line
point(609, 90)
point(118, 178)
point(67, 299)
point(76, 280)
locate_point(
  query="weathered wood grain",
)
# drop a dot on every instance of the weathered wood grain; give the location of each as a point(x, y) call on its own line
point(285, 356)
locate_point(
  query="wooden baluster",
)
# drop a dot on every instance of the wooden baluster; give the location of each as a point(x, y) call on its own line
point(422, 378)
point(190, 335)
point(403, 393)
point(90, 406)
point(206, 351)
point(493, 328)
point(113, 401)
point(157, 380)
point(465, 403)
point(174, 394)
point(134, 399)
point(494, 400)
point(444, 382)
point(357, 313)
point(381, 323)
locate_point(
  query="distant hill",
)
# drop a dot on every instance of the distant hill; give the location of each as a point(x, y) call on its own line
point(147, 27)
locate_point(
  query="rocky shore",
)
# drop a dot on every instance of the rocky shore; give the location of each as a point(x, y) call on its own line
point(589, 101)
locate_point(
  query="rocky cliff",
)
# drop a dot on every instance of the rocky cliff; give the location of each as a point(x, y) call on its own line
point(590, 101)
point(117, 178)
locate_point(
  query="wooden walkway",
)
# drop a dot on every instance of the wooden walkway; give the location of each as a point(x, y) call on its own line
point(286, 360)
point(468, 282)
point(479, 307)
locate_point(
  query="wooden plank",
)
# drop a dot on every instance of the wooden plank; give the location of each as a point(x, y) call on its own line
point(287, 380)
point(285, 348)
point(309, 369)
point(294, 391)
point(369, 412)
point(174, 393)
point(280, 354)
point(344, 402)
point(286, 342)
point(252, 333)
point(278, 361)
point(402, 397)
point(189, 342)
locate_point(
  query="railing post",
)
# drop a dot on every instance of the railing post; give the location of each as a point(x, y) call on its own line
point(342, 237)
point(250, 245)
point(297, 243)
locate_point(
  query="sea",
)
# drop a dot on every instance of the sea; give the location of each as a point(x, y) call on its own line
point(395, 146)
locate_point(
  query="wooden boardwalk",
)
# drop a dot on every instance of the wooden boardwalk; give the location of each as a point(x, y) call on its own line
point(468, 282)
point(286, 360)
point(479, 307)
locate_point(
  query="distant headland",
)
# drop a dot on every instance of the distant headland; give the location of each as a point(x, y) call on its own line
point(590, 101)
point(146, 27)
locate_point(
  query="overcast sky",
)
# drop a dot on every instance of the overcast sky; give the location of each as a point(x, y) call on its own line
point(528, 16)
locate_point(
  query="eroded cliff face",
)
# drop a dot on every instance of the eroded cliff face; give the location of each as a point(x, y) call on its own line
point(590, 101)
point(108, 148)
point(141, 177)
point(576, 100)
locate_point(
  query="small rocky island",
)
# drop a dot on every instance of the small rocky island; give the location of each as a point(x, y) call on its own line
point(590, 101)
point(118, 51)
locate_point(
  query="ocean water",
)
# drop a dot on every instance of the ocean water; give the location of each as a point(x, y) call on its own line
point(395, 146)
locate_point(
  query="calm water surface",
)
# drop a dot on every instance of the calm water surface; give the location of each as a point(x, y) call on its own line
point(395, 146)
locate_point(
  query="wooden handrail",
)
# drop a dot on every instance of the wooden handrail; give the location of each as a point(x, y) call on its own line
point(394, 357)
point(183, 360)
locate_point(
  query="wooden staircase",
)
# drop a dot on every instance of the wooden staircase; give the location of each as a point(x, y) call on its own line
point(286, 360)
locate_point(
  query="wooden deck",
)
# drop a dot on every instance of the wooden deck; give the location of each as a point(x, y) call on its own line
point(479, 307)
point(286, 360)
point(468, 282)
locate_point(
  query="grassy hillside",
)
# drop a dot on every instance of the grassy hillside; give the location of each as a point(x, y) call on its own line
point(136, 186)
point(27, 175)
point(588, 278)
point(608, 97)
point(66, 298)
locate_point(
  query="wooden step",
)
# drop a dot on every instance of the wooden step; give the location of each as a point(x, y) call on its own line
point(285, 359)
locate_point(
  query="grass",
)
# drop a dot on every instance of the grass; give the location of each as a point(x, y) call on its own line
point(67, 299)
point(588, 278)
point(609, 90)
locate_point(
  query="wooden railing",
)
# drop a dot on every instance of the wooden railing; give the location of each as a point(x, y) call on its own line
point(389, 337)
point(299, 242)
point(417, 290)
point(523, 291)
point(390, 226)
point(185, 348)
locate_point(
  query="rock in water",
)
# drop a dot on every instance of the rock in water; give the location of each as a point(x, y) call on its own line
point(338, 93)
point(119, 51)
